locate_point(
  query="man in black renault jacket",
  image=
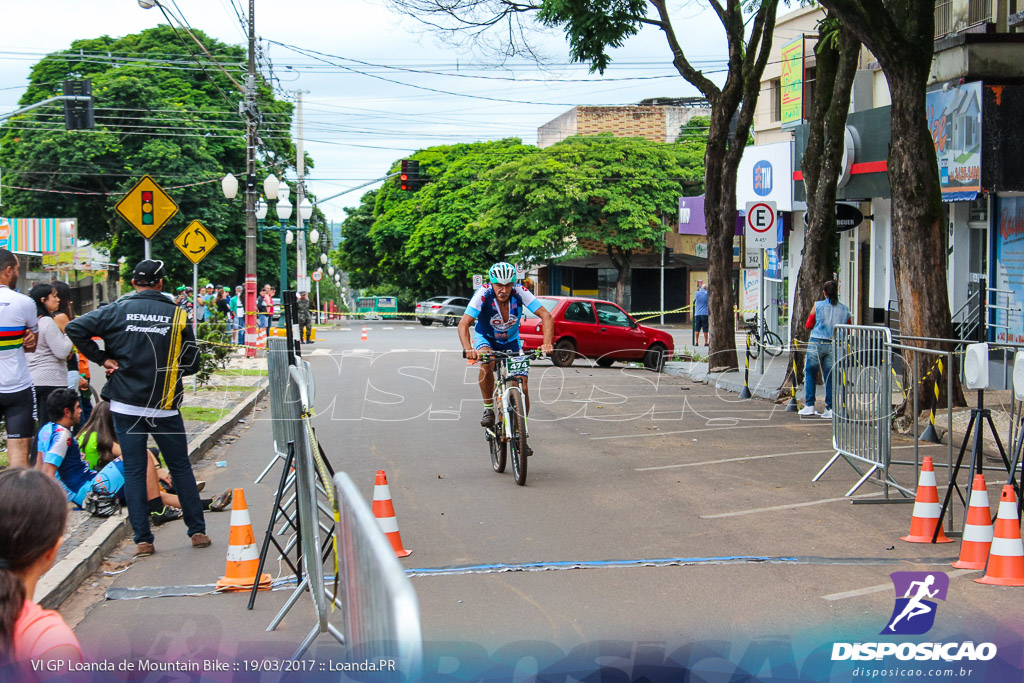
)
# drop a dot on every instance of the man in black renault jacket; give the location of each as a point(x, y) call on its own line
point(148, 347)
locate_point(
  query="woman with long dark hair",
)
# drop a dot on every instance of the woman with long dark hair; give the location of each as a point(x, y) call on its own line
point(33, 512)
point(78, 365)
point(822, 321)
point(49, 362)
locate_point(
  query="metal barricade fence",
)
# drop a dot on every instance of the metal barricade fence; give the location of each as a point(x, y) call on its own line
point(862, 403)
point(381, 612)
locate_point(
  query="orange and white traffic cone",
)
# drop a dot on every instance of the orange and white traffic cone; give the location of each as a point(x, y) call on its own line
point(261, 338)
point(926, 509)
point(243, 558)
point(978, 528)
point(1006, 558)
point(384, 511)
point(364, 337)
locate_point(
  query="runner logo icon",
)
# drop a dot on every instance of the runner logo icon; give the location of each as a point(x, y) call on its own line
point(914, 611)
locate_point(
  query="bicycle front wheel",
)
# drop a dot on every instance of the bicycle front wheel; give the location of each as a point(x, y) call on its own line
point(517, 418)
point(773, 345)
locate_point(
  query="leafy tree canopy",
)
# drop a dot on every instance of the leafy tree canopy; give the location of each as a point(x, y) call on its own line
point(158, 113)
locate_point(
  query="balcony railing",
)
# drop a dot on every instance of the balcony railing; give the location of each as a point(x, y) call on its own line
point(979, 11)
point(943, 17)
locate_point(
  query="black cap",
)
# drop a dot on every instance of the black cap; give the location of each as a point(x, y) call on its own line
point(148, 272)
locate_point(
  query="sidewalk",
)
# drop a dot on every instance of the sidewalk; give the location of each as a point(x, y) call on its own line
point(210, 412)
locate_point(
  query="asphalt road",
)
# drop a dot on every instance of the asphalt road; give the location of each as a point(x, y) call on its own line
point(658, 513)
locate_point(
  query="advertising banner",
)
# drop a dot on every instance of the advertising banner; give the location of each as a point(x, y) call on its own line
point(792, 82)
point(1009, 264)
point(954, 119)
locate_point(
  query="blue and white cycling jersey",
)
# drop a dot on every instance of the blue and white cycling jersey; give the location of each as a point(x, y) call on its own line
point(490, 324)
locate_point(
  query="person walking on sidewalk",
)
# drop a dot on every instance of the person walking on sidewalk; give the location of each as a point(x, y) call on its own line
point(149, 347)
point(18, 326)
point(821, 322)
point(700, 314)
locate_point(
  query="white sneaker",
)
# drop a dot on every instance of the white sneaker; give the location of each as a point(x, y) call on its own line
point(807, 410)
point(827, 415)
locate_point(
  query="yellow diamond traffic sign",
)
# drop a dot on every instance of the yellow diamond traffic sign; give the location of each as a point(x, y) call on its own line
point(195, 241)
point(147, 207)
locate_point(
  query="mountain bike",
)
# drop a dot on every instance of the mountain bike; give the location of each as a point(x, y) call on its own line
point(509, 435)
point(771, 342)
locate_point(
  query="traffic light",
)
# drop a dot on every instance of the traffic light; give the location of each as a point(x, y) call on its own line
point(409, 178)
point(79, 114)
point(147, 207)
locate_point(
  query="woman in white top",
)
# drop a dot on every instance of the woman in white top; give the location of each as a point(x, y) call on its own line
point(49, 362)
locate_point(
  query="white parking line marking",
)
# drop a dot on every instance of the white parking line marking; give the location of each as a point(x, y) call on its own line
point(789, 506)
point(716, 462)
point(884, 587)
point(387, 328)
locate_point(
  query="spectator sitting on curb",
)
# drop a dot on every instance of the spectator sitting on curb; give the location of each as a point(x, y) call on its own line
point(62, 459)
point(33, 514)
point(98, 442)
point(148, 347)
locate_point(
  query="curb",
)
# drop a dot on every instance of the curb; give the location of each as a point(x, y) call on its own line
point(66, 576)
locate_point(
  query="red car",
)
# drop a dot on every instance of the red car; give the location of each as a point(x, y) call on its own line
point(596, 329)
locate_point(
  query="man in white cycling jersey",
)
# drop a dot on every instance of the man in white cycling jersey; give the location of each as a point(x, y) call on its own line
point(497, 311)
point(18, 326)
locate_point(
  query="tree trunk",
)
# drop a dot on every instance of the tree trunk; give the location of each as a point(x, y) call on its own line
point(918, 238)
point(836, 68)
point(622, 260)
point(720, 217)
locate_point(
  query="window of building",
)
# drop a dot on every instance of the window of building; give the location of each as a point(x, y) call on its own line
point(810, 78)
point(776, 93)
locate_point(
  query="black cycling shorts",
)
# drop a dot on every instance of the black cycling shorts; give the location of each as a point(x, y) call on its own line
point(19, 410)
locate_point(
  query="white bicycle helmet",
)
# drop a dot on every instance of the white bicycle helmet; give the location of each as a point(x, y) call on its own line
point(502, 273)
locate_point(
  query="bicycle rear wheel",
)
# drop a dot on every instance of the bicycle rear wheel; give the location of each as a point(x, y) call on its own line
point(499, 450)
point(517, 416)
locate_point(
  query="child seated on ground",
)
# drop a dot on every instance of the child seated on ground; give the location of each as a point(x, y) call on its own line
point(98, 442)
point(61, 458)
point(33, 512)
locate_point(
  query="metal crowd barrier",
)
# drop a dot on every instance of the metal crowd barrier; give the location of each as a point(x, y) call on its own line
point(862, 404)
point(381, 612)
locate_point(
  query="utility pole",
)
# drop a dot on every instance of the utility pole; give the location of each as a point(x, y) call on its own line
point(301, 282)
point(250, 191)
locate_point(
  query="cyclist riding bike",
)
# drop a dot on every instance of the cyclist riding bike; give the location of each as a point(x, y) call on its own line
point(497, 311)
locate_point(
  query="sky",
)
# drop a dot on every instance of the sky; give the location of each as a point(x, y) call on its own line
point(378, 85)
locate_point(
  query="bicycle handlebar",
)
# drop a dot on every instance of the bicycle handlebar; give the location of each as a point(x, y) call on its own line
point(486, 356)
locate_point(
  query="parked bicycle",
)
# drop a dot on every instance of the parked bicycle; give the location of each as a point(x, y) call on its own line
point(771, 342)
point(509, 434)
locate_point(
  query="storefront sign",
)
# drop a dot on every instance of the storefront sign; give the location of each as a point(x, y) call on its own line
point(954, 119)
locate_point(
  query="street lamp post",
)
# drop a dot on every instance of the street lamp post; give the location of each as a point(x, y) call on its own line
point(272, 187)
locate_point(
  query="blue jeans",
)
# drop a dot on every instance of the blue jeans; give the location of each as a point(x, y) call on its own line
point(819, 354)
point(169, 432)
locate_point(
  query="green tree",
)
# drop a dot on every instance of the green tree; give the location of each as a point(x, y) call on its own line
point(583, 191)
point(592, 28)
point(157, 113)
point(429, 241)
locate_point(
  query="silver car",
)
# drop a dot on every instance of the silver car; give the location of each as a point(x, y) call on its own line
point(446, 310)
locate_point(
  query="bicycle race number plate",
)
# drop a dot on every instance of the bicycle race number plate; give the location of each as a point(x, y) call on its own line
point(520, 365)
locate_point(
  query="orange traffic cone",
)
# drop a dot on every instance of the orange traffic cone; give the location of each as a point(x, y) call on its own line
point(261, 338)
point(1006, 559)
point(978, 528)
point(926, 509)
point(364, 337)
point(243, 558)
point(384, 511)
